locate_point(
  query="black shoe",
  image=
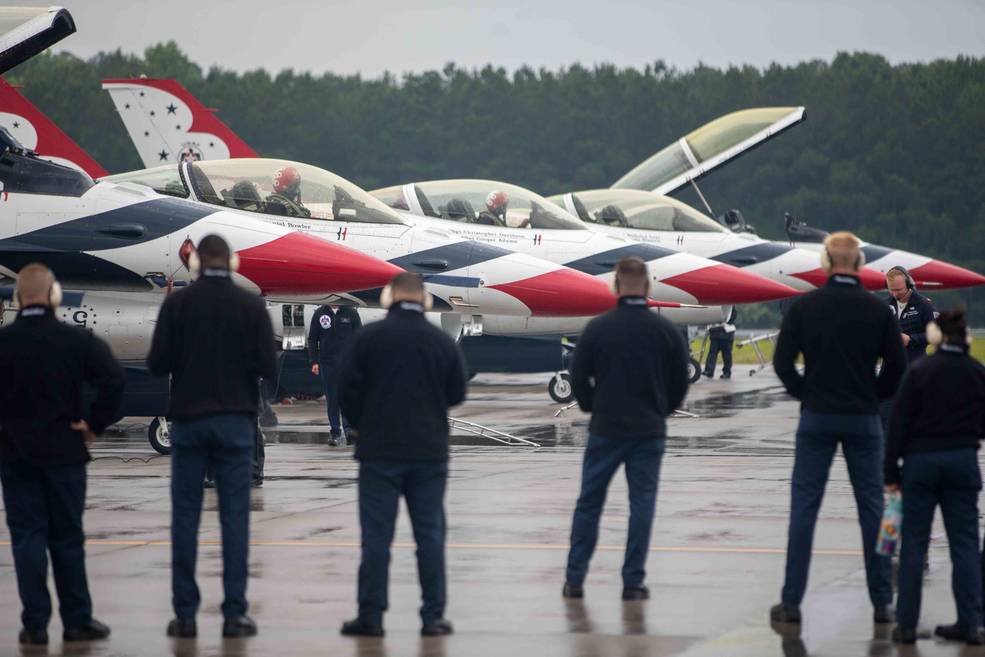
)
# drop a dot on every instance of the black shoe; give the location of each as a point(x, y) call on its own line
point(257, 483)
point(782, 613)
point(907, 635)
point(92, 631)
point(574, 591)
point(333, 439)
point(183, 628)
point(974, 636)
point(357, 627)
point(238, 627)
point(726, 376)
point(209, 483)
point(440, 627)
point(882, 614)
point(33, 637)
point(636, 593)
point(708, 375)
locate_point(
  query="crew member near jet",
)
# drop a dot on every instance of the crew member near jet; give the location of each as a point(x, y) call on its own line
point(215, 340)
point(494, 214)
point(937, 425)
point(397, 380)
point(45, 428)
point(912, 310)
point(286, 199)
point(331, 330)
point(630, 372)
point(842, 332)
point(721, 338)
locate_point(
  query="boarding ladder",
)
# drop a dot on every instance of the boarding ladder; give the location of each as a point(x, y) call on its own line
point(755, 342)
point(490, 434)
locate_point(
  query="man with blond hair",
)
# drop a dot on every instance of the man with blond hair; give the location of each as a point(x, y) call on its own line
point(842, 331)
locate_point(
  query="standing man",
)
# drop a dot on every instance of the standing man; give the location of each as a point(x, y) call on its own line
point(842, 332)
point(45, 427)
point(331, 330)
point(912, 310)
point(397, 369)
point(630, 373)
point(721, 338)
point(216, 341)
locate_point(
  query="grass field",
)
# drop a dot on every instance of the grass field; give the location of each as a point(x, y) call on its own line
point(747, 356)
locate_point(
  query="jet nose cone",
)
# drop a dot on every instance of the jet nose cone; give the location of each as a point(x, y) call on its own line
point(561, 293)
point(940, 275)
point(303, 264)
point(725, 284)
point(872, 279)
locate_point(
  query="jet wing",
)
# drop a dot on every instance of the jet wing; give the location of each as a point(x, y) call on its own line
point(27, 31)
point(709, 147)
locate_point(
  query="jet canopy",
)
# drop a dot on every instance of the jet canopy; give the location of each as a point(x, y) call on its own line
point(482, 202)
point(265, 186)
point(708, 147)
point(27, 31)
point(628, 208)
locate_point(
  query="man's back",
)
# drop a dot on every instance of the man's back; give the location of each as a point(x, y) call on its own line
point(842, 332)
point(216, 341)
point(44, 364)
point(638, 361)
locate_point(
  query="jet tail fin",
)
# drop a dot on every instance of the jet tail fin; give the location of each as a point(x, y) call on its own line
point(29, 125)
point(167, 123)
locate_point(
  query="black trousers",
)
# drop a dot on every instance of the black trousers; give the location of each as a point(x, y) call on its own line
point(720, 344)
point(44, 514)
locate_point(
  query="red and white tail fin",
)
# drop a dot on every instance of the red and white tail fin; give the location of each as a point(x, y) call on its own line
point(35, 131)
point(167, 124)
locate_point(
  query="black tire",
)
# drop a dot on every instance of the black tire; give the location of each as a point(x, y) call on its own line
point(159, 436)
point(693, 370)
point(559, 388)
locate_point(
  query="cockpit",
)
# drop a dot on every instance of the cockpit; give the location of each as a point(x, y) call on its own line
point(273, 187)
point(481, 202)
point(628, 208)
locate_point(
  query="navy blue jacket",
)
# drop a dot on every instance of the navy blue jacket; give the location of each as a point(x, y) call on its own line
point(330, 333)
point(917, 313)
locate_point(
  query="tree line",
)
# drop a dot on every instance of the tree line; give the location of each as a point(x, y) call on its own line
point(895, 153)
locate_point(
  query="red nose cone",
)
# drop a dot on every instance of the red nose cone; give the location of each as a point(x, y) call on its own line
point(302, 264)
point(939, 275)
point(561, 293)
point(725, 284)
point(870, 278)
point(816, 277)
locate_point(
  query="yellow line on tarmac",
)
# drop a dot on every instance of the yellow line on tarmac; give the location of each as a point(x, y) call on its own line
point(678, 549)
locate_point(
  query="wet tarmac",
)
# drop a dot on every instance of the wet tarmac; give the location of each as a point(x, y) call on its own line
point(715, 565)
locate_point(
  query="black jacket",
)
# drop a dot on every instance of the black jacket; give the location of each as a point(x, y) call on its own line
point(330, 332)
point(940, 405)
point(630, 371)
point(45, 364)
point(917, 313)
point(216, 341)
point(842, 331)
point(397, 380)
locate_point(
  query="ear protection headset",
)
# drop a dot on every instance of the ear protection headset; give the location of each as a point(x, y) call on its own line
point(910, 284)
point(614, 285)
point(54, 295)
point(386, 299)
point(195, 263)
point(935, 336)
point(826, 260)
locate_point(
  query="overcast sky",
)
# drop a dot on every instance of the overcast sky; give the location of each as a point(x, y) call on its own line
point(369, 37)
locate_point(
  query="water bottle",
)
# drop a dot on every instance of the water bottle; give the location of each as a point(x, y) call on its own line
point(892, 521)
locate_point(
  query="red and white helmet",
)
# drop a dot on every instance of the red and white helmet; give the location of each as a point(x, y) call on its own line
point(287, 180)
point(497, 200)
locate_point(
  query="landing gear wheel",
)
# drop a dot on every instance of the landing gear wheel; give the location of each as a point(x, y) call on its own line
point(693, 370)
point(560, 388)
point(159, 435)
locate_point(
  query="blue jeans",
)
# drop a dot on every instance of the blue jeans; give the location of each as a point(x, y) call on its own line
point(422, 483)
point(952, 480)
point(328, 379)
point(603, 456)
point(224, 444)
point(818, 437)
point(44, 508)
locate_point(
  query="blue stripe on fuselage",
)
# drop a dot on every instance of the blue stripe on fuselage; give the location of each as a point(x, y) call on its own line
point(753, 254)
point(605, 262)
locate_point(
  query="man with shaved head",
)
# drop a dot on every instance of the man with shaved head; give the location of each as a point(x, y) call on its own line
point(45, 427)
point(842, 332)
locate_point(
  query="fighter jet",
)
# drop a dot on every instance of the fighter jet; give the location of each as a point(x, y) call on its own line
point(726, 138)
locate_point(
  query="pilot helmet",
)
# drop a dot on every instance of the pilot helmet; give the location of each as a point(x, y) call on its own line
point(287, 181)
point(497, 201)
point(246, 195)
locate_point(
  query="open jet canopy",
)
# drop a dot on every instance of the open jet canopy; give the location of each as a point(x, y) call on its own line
point(27, 31)
point(258, 185)
point(466, 200)
point(628, 208)
point(709, 147)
